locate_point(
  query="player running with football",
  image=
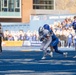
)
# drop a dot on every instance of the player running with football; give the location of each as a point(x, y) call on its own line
point(51, 40)
point(46, 39)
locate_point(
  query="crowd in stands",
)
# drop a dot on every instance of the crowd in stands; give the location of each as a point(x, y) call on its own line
point(62, 29)
point(20, 35)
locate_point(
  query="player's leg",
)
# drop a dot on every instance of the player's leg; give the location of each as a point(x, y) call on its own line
point(51, 51)
point(42, 48)
point(55, 46)
point(45, 46)
point(0, 44)
point(56, 50)
point(60, 52)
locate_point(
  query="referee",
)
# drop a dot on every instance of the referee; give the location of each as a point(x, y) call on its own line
point(1, 35)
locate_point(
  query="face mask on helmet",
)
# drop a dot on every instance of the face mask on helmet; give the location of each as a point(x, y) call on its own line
point(40, 29)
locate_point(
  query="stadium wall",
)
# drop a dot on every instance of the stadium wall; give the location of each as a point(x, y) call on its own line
point(35, 22)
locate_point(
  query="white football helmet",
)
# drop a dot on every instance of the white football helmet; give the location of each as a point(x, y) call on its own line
point(40, 29)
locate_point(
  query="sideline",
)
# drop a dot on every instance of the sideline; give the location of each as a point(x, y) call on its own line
point(28, 48)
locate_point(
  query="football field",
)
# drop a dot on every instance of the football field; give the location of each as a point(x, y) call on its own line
point(27, 62)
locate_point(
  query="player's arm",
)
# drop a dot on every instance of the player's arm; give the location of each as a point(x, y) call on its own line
point(41, 38)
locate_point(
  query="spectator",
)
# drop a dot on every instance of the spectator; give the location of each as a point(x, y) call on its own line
point(10, 38)
point(70, 37)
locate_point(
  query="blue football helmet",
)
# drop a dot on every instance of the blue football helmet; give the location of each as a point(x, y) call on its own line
point(46, 26)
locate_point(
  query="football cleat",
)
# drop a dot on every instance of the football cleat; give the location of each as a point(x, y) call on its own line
point(43, 57)
point(51, 54)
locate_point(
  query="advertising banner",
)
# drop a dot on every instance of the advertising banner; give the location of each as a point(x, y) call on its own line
point(31, 43)
point(12, 43)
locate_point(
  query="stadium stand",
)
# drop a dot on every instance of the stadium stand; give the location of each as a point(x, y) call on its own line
point(61, 25)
